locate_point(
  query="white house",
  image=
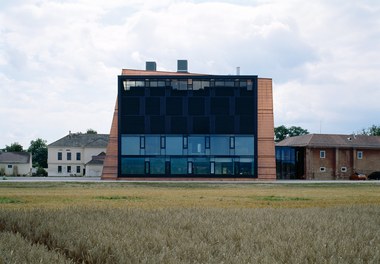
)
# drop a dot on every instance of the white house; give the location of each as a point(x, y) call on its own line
point(95, 166)
point(69, 155)
point(15, 163)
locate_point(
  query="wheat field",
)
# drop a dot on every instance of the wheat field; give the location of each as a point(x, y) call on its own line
point(189, 223)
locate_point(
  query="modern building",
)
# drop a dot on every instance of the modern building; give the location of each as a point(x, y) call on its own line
point(184, 125)
point(15, 163)
point(69, 155)
point(327, 157)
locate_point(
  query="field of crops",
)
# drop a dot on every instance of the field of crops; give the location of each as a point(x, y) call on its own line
point(189, 223)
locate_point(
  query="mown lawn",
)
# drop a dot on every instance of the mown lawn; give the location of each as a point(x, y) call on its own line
point(189, 223)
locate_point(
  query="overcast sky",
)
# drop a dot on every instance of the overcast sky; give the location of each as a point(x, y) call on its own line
point(59, 60)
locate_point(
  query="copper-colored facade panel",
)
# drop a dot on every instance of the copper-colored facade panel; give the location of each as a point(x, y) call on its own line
point(266, 163)
point(110, 161)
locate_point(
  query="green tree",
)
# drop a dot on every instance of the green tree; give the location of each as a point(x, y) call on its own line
point(91, 131)
point(282, 132)
point(14, 147)
point(38, 148)
point(371, 131)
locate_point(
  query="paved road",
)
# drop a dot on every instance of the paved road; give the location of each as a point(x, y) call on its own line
point(216, 181)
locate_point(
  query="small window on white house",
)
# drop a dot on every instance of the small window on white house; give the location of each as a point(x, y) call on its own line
point(68, 169)
point(360, 154)
point(343, 169)
point(10, 166)
point(322, 154)
point(59, 169)
point(322, 169)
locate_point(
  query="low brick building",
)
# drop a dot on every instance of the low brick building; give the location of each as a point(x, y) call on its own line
point(327, 156)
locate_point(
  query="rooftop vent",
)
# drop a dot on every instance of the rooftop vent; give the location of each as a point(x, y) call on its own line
point(182, 66)
point(150, 66)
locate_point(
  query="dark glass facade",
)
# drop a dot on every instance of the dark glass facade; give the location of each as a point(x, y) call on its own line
point(187, 126)
point(290, 163)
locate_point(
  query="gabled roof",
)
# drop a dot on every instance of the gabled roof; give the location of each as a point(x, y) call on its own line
point(82, 140)
point(15, 157)
point(98, 159)
point(331, 140)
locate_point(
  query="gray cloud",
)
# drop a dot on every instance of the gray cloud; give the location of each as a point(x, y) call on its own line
point(59, 60)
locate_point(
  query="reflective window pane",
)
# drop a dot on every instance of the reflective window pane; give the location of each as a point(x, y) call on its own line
point(132, 166)
point(196, 145)
point(244, 145)
point(130, 145)
point(224, 166)
point(152, 145)
point(220, 145)
point(173, 145)
point(201, 166)
point(178, 166)
point(157, 166)
point(244, 167)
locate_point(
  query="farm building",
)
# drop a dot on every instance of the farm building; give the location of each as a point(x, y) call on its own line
point(15, 163)
point(327, 157)
point(186, 125)
point(70, 155)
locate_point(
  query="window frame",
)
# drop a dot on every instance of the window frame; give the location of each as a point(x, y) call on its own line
point(78, 156)
point(359, 155)
point(68, 156)
point(59, 155)
point(322, 154)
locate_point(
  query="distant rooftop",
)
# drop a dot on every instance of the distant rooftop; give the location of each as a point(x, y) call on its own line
point(82, 140)
point(15, 157)
point(331, 140)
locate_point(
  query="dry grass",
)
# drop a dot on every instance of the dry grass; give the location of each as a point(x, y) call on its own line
point(179, 223)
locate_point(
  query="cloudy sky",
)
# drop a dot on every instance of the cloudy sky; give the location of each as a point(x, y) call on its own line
point(59, 60)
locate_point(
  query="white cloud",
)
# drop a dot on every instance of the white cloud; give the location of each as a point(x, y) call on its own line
point(59, 60)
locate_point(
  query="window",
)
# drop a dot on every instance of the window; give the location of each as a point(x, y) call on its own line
point(189, 167)
point(196, 145)
point(132, 166)
point(163, 142)
point(142, 142)
point(232, 142)
point(78, 155)
point(78, 169)
point(184, 142)
point(360, 154)
point(174, 145)
point(343, 169)
point(207, 146)
point(59, 155)
point(322, 169)
point(244, 145)
point(68, 169)
point(152, 146)
point(220, 145)
point(322, 154)
point(68, 156)
point(157, 166)
point(10, 166)
point(59, 169)
point(130, 145)
point(178, 166)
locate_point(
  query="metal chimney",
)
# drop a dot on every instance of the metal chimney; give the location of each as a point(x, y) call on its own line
point(150, 66)
point(182, 66)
